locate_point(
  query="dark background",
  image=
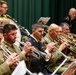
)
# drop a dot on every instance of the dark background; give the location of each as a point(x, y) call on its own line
point(27, 12)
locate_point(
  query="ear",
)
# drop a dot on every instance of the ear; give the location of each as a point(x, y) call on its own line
point(33, 31)
point(5, 34)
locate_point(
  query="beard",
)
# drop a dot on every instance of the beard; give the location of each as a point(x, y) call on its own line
point(11, 41)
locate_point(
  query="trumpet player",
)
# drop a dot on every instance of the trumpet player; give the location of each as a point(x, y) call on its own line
point(9, 34)
point(52, 36)
point(7, 65)
point(37, 65)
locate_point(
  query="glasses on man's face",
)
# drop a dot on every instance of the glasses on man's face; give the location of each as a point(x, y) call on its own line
point(4, 7)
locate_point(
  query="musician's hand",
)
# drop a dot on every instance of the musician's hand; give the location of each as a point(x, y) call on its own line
point(27, 48)
point(63, 46)
point(50, 47)
point(12, 59)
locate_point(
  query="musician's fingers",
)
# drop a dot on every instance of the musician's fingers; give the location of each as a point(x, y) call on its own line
point(28, 43)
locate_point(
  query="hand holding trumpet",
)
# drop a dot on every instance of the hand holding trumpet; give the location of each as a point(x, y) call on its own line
point(27, 49)
point(12, 60)
point(50, 48)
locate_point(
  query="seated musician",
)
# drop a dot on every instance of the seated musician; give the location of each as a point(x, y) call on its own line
point(70, 37)
point(9, 34)
point(66, 30)
point(57, 58)
point(65, 27)
point(37, 65)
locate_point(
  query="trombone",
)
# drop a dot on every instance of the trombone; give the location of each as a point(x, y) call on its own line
point(68, 41)
point(66, 58)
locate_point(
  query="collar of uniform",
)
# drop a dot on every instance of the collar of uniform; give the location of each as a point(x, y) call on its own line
point(34, 38)
point(49, 37)
point(7, 43)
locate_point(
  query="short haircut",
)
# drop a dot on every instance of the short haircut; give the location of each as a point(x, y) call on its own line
point(8, 27)
point(36, 26)
point(2, 2)
point(63, 24)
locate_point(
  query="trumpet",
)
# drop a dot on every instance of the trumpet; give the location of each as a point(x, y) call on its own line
point(7, 53)
point(36, 53)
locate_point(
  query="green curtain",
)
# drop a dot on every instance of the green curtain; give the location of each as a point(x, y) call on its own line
point(27, 12)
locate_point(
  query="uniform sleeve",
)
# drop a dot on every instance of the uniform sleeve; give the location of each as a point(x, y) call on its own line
point(26, 59)
point(4, 69)
point(55, 56)
point(22, 57)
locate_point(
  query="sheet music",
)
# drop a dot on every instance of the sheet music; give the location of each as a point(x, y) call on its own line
point(43, 20)
point(20, 69)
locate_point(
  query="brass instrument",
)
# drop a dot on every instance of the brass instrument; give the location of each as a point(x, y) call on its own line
point(36, 53)
point(66, 39)
point(66, 58)
point(72, 37)
point(7, 53)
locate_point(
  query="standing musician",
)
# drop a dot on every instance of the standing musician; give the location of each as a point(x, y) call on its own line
point(56, 59)
point(6, 64)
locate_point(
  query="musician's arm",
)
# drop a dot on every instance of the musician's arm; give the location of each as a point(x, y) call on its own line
point(4, 68)
point(55, 56)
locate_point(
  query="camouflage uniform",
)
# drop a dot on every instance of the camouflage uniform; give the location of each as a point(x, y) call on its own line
point(56, 58)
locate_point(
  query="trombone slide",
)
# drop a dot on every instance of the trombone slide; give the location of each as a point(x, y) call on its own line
point(59, 66)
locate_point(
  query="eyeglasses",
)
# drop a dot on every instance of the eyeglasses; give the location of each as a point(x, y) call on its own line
point(4, 7)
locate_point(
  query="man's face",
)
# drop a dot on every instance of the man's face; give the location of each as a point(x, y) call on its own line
point(3, 9)
point(38, 33)
point(72, 14)
point(59, 30)
point(10, 36)
point(53, 33)
point(66, 30)
point(56, 32)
